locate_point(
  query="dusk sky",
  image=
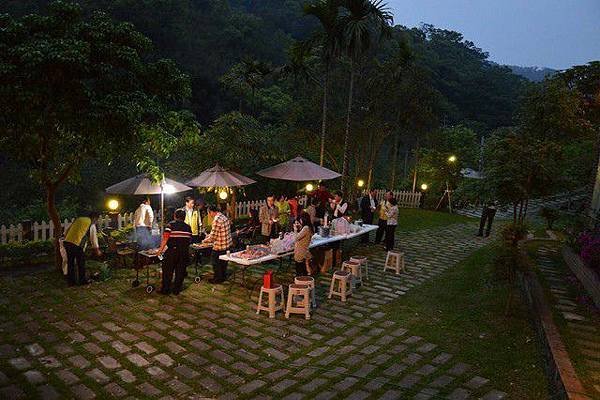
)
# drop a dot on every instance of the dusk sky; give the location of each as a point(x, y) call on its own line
point(545, 33)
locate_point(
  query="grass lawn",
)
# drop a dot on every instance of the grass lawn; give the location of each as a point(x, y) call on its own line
point(463, 311)
point(414, 219)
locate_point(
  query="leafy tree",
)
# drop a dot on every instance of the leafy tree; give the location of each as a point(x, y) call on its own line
point(328, 41)
point(74, 88)
point(362, 23)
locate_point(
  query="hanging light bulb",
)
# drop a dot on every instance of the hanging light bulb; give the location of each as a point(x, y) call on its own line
point(222, 195)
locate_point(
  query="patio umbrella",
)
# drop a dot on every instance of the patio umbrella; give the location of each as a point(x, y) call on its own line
point(142, 184)
point(298, 169)
point(218, 176)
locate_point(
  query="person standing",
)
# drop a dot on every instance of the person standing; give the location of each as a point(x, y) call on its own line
point(221, 239)
point(487, 215)
point(339, 206)
point(302, 255)
point(294, 208)
point(391, 224)
point(368, 206)
point(143, 218)
point(323, 195)
point(267, 216)
point(192, 218)
point(75, 244)
point(175, 247)
point(382, 221)
point(283, 211)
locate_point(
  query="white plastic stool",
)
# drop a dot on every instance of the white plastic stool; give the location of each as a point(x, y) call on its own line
point(310, 282)
point(355, 269)
point(364, 262)
point(395, 262)
point(272, 304)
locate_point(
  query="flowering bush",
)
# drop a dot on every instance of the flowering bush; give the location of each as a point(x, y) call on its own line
point(589, 249)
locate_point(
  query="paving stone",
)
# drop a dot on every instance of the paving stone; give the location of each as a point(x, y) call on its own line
point(108, 362)
point(120, 346)
point(126, 376)
point(345, 384)
point(98, 376)
point(164, 359)
point(358, 395)
point(283, 385)
point(494, 395)
point(313, 384)
point(145, 347)
point(148, 389)
point(442, 381)
point(252, 386)
point(459, 369)
point(276, 354)
point(476, 382)
point(459, 394)
point(157, 372)
point(391, 395)
point(186, 372)
point(19, 363)
point(211, 385)
point(34, 377)
point(47, 392)
point(115, 390)
point(83, 392)
point(137, 360)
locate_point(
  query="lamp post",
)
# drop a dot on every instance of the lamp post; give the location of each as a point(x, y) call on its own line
point(113, 206)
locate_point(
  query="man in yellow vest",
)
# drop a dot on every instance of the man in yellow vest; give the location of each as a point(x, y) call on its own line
point(382, 222)
point(192, 218)
point(75, 243)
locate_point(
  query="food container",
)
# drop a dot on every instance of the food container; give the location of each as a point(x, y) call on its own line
point(324, 231)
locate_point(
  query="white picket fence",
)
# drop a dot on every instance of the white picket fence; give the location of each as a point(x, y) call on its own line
point(405, 199)
point(45, 230)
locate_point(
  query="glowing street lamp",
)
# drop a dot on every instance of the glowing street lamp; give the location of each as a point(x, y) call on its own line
point(113, 204)
point(452, 159)
point(310, 187)
point(424, 186)
point(360, 183)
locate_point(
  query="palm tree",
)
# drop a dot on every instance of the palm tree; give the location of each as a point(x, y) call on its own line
point(361, 23)
point(328, 40)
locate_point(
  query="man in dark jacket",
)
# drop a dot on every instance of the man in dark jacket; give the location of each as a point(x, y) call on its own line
point(368, 205)
point(176, 240)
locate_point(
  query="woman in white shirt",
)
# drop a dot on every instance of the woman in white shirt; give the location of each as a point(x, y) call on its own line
point(392, 222)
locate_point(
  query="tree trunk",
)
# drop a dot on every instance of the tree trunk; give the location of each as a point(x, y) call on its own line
point(346, 163)
point(515, 212)
point(324, 121)
point(394, 161)
point(55, 218)
point(414, 186)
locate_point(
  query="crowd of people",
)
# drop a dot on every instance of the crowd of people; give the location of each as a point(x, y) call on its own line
point(197, 222)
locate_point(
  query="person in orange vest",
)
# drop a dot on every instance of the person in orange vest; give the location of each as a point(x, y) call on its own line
point(75, 243)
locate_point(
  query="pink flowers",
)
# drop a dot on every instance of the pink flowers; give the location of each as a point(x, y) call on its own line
point(589, 245)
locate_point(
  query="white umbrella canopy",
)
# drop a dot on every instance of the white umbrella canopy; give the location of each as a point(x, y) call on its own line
point(142, 184)
point(218, 176)
point(299, 169)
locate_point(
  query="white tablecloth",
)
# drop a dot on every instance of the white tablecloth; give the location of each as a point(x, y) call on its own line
point(315, 242)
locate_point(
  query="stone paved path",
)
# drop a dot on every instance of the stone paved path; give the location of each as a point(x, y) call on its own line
point(110, 340)
point(580, 321)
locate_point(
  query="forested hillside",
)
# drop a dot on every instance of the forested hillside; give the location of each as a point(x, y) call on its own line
point(257, 70)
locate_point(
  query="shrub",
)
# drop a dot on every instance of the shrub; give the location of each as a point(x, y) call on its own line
point(551, 215)
point(24, 251)
point(513, 233)
point(589, 249)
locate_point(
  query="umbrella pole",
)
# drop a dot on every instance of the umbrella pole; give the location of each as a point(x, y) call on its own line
point(162, 212)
